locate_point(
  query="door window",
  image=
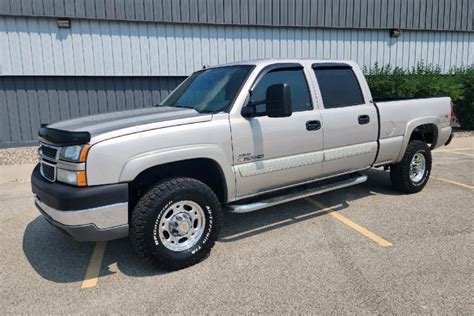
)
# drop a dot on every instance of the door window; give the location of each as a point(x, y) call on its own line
point(296, 80)
point(339, 87)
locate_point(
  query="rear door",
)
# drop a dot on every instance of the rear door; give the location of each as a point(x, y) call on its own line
point(349, 119)
point(275, 152)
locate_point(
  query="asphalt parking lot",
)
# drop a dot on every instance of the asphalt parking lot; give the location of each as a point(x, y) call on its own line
point(364, 249)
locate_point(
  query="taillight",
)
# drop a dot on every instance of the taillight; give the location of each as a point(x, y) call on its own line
point(453, 115)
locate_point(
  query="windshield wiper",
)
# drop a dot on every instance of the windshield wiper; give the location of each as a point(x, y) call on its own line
point(185, 106)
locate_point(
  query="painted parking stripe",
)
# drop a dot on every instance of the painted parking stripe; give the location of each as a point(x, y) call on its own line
point(455, 152)
point(453, 182)
point(363, 231)
point(451, 149)
point(465, 154)
point(93, 270)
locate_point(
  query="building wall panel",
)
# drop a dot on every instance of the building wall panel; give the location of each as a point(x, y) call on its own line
point(438, 14)
point(35, 46)
point(27, 102)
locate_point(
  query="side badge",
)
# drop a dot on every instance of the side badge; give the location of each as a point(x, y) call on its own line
point(249, 157)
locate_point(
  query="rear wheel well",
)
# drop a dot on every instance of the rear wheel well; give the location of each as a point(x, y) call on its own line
point(202, 169)
point(427, 133)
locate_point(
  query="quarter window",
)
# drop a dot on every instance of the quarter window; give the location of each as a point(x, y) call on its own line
point(296, 80)
point(339, 87)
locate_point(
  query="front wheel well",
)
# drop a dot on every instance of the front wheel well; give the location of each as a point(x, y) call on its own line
point(427, 133)
point(203, 169)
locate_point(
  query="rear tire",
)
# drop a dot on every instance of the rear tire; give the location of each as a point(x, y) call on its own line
point(412, 173)
point(176, 223)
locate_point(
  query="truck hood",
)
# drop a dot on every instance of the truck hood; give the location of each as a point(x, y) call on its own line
point(108, 125)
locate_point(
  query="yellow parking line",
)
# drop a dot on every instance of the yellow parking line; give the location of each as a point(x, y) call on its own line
point(93, 270)
point(453, 182)
point(465, 148)
point(453, 152)
point(379, 240)
point(462, 149)
point(452, 149)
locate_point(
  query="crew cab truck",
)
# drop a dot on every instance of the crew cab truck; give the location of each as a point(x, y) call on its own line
point(241, 137)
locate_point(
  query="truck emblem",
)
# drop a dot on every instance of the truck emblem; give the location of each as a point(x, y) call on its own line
point(249, 157)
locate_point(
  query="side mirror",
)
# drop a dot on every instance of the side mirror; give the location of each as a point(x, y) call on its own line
point(278, 100)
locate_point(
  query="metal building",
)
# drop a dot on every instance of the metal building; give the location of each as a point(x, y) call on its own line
point(67, 58)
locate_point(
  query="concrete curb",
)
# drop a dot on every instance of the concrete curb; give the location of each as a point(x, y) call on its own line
point(16, 173)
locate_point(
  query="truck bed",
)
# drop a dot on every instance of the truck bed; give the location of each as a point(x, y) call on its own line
point(400, 117)
point(384, 99)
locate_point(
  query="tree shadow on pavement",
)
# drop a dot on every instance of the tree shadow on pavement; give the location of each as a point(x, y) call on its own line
point(57, 258)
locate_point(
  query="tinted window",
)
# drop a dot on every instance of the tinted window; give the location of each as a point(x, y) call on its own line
point(339, 87)
point(295, 79)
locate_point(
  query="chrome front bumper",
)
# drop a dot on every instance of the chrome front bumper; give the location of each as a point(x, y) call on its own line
point(93, 224)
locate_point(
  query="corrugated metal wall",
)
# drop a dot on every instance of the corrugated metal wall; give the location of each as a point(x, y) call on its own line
point(35, 46)
point(49, 74)
point(407, 14)
point(26, 102)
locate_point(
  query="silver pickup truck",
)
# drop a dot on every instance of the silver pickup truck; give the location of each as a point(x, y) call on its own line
point(240, 137)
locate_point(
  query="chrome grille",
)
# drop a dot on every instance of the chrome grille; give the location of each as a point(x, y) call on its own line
point(48, 171)
point(48, 152)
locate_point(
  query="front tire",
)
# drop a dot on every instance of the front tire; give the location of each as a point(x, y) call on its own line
point(176, 223)
point(412, 173)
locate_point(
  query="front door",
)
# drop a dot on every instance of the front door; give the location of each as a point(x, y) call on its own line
point(274, 152)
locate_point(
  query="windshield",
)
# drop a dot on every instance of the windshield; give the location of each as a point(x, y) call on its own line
point(209, 91)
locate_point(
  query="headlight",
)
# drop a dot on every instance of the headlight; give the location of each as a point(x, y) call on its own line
point(77, 178)
point(70, 168)
point(74, 153)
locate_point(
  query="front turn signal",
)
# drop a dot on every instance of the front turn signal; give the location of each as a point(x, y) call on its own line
point(81, 178)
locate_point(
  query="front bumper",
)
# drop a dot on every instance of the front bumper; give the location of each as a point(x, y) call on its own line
point(85, 214)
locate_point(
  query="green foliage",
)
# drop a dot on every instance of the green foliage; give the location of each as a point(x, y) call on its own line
point(464, 107)
point(426, 81)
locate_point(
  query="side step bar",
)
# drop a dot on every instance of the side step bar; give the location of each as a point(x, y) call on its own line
point(296, 195)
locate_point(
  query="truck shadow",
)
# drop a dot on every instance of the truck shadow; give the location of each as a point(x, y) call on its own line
point(54, 256)
point(241, 226)
point(59, 259)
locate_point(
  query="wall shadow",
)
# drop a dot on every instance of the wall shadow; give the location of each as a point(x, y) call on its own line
point(59, 259)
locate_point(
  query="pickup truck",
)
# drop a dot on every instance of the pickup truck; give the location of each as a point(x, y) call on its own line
point(238, 137)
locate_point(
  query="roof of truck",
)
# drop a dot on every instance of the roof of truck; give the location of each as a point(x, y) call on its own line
point(269, 61)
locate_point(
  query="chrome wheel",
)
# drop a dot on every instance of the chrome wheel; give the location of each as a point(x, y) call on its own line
point(417, 167)
point(182, 225)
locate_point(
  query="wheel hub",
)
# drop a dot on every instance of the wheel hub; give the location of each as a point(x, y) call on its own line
point(417, 167)
point(180, 224)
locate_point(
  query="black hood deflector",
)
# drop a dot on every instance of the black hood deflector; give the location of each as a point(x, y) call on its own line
point(63, 138)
